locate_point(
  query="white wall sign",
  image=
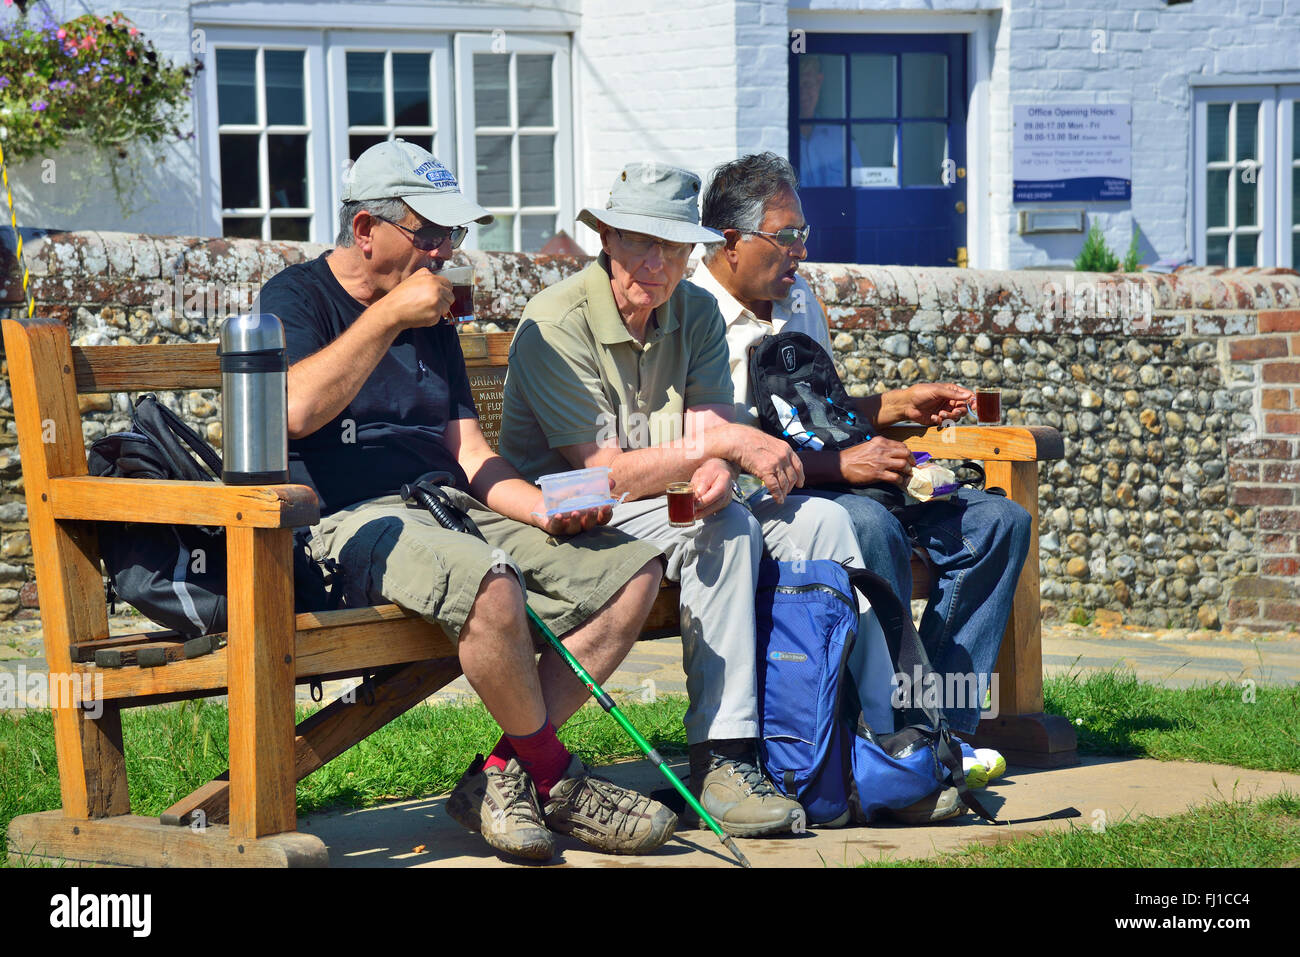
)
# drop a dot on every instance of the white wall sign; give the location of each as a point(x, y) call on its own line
point(1072, 152)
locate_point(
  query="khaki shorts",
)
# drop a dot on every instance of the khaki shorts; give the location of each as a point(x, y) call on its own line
point(391, 553)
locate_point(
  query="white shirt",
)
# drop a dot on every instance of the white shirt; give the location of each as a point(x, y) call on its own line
point(798, 312)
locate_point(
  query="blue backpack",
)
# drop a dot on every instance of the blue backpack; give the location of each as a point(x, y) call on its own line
point(815, 742)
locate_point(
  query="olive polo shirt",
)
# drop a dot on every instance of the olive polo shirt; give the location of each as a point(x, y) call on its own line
point(577, 375)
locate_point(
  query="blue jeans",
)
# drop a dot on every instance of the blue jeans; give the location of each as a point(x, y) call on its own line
point(977, 543)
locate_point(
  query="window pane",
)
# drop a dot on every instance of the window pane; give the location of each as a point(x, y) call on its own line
point(1246, 250)
point(1247, 122)
point(535, 232)
point(287, 156)
point(492, 89)
point(1216, 250)
point(494, 171)
point(873, 93)
point(366, 89)
point(1217, 134)
point(533, 77)
point(1245, 202)
point(236, 93)
point(821, 86)
point(239, 227)
point(536, 171)
point(923, 153)
point(359, 143)
point(1216, 196)
point(1295, 196)
point(295, 229)
point(1295, 130)
point(925, 84)
point(284, 87)
point(821, 155)
point(500, 235)
point(411, 89)
point(239, 164)
point(873, 158)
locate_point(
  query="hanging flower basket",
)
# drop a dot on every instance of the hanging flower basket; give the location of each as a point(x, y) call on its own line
point(93, 78)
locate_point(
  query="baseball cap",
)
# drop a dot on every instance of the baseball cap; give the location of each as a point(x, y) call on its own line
point(401, 170)
point(657, 200)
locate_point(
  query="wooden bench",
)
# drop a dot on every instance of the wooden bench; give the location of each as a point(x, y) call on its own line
point(249, 813)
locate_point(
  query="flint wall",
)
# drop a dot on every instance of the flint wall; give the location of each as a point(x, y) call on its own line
point(1178, 397)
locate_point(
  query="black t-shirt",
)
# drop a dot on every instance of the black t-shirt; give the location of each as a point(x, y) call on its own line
point(392, 432)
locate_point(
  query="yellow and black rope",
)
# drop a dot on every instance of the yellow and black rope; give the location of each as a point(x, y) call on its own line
point(18, 237)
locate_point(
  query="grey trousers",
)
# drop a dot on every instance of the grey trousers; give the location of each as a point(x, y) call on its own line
point(716, 563)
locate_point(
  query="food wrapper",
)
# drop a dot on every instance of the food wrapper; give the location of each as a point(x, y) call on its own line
point(931, 481)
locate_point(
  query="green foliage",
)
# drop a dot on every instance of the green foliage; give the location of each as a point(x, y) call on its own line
point(1132, 258)
point(1080, 616)
point(94, 78)
point(1096, 255)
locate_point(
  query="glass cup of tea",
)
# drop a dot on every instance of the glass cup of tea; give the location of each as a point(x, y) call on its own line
point(681, 505)
point(462, 289)
point(988, 406)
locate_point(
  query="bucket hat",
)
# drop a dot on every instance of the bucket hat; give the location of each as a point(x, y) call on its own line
point(402, 170)
point(657, 200)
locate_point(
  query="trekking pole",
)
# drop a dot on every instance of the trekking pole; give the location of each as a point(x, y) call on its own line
point(427, 493)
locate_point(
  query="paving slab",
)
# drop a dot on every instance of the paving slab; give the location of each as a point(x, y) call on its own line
point(1105, 790)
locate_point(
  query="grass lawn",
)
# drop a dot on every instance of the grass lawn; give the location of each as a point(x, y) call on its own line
point(173, 749)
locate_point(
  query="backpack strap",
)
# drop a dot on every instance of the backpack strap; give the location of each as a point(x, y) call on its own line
point(155, 420)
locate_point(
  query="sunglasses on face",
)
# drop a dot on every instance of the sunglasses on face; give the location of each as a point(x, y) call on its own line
point(783, 237)
point(639, 245)
point(428, 238)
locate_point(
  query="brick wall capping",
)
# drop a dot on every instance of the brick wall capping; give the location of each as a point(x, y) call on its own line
point(1000, 302)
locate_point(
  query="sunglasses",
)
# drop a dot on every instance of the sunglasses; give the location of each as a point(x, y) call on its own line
point(639, 245)
point(784, 237)
point(428, 238)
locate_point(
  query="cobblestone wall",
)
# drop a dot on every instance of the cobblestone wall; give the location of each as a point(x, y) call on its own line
point(1177, 397)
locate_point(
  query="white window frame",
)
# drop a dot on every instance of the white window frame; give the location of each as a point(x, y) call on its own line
point(211, 211)
point(1273, 178)
point(339, 44)
point(466, 45)
point(227, 26)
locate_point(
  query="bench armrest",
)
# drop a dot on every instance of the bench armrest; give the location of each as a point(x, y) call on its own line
point(984, 443)
point(101, 499)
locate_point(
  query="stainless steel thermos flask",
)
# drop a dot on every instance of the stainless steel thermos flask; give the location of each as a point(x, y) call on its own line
point(254, 401)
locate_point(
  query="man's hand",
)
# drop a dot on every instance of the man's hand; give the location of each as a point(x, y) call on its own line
point(422, 299)
point(933, 403)
point(770, 460)
point(712, 485)
point(879, 460)
point(571, 523)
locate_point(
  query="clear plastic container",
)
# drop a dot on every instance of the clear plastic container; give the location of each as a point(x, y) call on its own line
point(579, 489)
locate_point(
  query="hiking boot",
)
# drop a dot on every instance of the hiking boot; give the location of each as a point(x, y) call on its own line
point(939, 806)
point(606, 816)
point(738, 795)
point(501, 804)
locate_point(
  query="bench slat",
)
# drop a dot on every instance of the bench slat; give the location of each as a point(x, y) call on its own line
point(99, 498)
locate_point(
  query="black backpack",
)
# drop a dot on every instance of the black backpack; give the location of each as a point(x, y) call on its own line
point(176, 574)
point(799, 395)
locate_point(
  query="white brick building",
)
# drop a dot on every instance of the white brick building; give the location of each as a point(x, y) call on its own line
point(538, 104)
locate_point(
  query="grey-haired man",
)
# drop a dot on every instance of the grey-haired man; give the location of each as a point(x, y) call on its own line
point(977, 542)
point(625, 365)
point(378, 396)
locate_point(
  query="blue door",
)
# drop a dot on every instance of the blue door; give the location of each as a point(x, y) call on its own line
point(878, 135)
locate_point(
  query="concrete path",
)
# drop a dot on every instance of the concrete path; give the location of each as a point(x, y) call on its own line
point(420, 834)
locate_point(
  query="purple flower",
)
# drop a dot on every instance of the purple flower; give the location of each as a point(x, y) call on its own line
point(39, 105)
point(117, 79)
point(103, 62)
point(4, 82)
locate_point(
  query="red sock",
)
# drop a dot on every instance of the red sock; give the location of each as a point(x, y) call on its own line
point(500, 755)
point(541, 755)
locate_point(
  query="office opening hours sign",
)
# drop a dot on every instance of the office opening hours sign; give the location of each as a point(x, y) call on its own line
point(1072, 152)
